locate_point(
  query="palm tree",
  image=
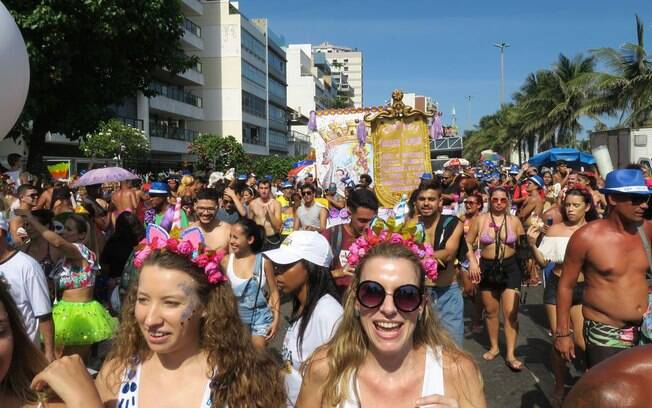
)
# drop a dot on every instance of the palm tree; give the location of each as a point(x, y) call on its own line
point(627, 90)
point(552, 102)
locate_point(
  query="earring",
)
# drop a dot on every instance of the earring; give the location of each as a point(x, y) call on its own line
point(356, 313)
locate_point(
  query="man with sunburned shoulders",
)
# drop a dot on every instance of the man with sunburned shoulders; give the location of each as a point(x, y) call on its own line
point(266, 211)
point(124, 199)
point(216, 232)
point(611, 255)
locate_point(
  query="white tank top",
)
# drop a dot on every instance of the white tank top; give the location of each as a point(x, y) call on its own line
point(433, 380)
point(237, 281)
point(128, 394)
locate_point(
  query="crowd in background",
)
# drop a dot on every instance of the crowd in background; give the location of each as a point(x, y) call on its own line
point(70, 259)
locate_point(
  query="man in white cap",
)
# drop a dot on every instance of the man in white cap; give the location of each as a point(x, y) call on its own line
point(29, 289)
point(614, 256)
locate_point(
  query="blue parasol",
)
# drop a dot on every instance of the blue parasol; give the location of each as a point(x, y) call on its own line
point(571, 156)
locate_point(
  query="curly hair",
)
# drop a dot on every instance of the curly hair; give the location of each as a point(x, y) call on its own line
point(26, 359)
point(241, 375)
point(349, 345)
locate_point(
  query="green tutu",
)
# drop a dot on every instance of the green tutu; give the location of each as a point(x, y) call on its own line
point(81, 324)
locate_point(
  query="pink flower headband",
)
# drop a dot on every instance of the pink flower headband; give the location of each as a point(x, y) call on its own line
point(190, 244)
point(369, 239)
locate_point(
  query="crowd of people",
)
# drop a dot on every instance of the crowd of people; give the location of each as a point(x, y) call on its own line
point(184, 277)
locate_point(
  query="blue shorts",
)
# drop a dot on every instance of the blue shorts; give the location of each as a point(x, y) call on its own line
point(258, 321)
point(448, 304)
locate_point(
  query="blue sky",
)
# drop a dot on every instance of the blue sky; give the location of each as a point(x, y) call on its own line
point(445, 49)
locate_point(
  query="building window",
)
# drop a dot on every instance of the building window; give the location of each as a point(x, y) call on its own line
point(277, 114)
point(346, 60)
point(252, 46)
point(278, 139)
point(277, 89)
point(253, 134)
point(253, 74)
point(253, 105)
point(276, 62)
point(346, 68)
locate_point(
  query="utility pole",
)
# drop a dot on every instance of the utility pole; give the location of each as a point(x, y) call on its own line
point(468, 112)
point(502, 47)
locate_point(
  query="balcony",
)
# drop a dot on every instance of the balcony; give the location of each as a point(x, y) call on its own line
point(192, 36)
point(133, 122)
point(192, 7)
point(193, 75)
point(170, 132)
point(176, 100)
point(298, 137)
point(446, 144)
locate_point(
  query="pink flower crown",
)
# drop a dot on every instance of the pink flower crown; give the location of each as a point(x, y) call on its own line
point(190, 244)
point(370, 238)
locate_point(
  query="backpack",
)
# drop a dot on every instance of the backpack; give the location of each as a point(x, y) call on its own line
point(443, 231)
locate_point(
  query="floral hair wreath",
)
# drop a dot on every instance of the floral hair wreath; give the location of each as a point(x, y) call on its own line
point(189, 243)
point(410, 235)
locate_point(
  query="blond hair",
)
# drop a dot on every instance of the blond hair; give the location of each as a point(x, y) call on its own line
point(242, 376)
point(349, 345)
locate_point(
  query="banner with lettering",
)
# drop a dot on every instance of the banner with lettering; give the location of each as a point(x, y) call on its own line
point(401, 156)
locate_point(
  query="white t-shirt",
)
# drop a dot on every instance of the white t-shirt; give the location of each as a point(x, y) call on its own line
point(323, 322)
point(29, 288)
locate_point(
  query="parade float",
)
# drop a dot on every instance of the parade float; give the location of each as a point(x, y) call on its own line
point(390, 143)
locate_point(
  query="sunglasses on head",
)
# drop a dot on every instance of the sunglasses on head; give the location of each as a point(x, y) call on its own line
point(371, 294)
point(502, 200)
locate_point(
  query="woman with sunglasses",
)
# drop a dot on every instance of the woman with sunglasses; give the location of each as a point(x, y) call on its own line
point(302, 270)
point(390, 350)
point(498, 234)
point(473, 208)
point(578, 210)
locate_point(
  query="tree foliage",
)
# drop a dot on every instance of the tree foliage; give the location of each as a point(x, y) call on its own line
point(219, 153)
point(89, 55)
point(276, 166)
point(114, 139)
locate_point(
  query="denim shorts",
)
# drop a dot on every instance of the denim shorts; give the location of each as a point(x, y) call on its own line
point(262, 320)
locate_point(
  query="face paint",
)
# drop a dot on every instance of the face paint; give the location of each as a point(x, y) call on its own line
point(190, 308)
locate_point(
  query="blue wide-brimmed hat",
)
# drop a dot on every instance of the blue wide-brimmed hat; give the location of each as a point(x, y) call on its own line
point(159, 188)
point(625, 181)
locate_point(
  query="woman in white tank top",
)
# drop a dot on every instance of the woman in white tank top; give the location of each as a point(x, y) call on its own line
point(181, 342)
point(390, 350)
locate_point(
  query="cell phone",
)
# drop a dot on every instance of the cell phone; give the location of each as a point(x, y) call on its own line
point(548, 221)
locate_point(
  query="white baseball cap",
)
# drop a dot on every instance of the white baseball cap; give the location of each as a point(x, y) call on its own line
point(3, 222)
point(308, 245)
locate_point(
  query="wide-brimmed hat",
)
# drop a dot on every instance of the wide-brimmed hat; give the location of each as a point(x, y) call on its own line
point(308, 245)
point(625, 181)
point(159, 188)
point(536, 180)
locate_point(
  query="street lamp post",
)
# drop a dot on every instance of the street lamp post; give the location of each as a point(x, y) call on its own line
point(502, 47)
point(468, 112)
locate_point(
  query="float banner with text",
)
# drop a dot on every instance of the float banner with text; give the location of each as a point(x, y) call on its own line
point(401, 156)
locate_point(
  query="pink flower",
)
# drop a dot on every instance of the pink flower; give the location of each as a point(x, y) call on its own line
point(185, 248)
point(202, 260)
point(353, 259)
point(396, 238)
point(354, 248)
point(172, 244)
point(216, 277)
point(362, 252)
point(141, 255)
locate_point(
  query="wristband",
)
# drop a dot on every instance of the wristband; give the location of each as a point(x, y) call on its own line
point(570, 333)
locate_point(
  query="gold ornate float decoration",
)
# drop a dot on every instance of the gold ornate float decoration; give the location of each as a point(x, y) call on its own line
point(401, 148)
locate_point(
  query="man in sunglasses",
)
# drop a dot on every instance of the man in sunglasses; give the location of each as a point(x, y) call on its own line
point(446, 235)
point(310, 216)
point(612, 255)
point(27, 199)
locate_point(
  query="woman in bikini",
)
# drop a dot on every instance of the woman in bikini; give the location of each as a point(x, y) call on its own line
point(578, 210)
point(499, 233)
point(473, 208)
point(181, 342)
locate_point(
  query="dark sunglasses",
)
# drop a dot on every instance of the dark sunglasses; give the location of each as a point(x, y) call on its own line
point(637, 199)
point(498, 200)
point(407, 298)
point(305, 193)
point(35, 195)
point(470, 202)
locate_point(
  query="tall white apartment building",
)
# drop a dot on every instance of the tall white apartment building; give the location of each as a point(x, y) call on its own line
point(346, 64)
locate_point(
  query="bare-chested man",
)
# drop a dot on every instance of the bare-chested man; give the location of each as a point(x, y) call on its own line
point(216, 232)
point(124, 199)
point(266, 211)
point(610, 254)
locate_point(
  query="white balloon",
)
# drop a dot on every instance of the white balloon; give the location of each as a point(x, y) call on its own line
point(14, 72)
